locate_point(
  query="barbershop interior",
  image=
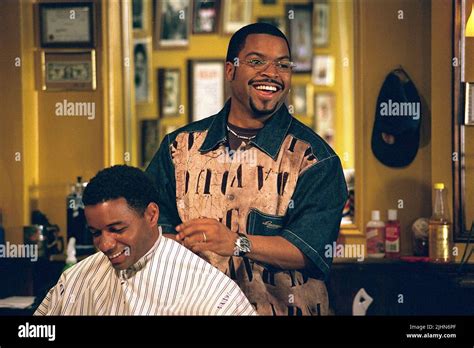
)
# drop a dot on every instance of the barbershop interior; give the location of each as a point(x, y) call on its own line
point(388, 84)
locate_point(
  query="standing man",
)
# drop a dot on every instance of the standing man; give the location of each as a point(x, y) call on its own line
point(251, 189)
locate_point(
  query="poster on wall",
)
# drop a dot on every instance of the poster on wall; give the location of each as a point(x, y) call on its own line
point(323, 70)
point(169, 91)
point(300, 36)
point(206, 88)
point(150, 141)
point(141, 16)
point(237, 13)
point(142, 63)
point(324, 116)
point(172, 23)
point(205, 16)
point(321, 24)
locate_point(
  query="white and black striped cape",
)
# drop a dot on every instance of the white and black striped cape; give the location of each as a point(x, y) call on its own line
point(168, 280)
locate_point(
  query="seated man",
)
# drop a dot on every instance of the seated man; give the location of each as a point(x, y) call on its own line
point(138, 271)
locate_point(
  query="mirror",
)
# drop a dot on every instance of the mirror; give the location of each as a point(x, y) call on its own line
point(463, 127)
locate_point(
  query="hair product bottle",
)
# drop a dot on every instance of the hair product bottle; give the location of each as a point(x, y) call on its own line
point(392, 235)
point(440, 230)
point(375, 234)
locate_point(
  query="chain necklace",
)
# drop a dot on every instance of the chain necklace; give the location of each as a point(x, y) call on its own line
point(240, 136)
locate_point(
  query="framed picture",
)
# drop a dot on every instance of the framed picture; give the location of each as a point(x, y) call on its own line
point(150, 140)
point(321, 24)
point(142, 62)
point(469, 108)
point(276, 21)
point(206, 90)
point(141, 16)
point(324, 116)
point(66, 24)
point(172, 23)
point(205, 16)
point(301, 101)
point(68, 70)
point(169, 91)
point(323, 70)
point(300, 36)
point(237, 13)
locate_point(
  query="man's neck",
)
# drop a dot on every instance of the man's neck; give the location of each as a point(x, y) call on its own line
point(242, 119)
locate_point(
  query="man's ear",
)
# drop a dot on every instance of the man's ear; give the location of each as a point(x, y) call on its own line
point(229, 71)
point(152, 213)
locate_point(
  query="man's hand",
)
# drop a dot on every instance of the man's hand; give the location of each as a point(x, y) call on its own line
point(206, 234)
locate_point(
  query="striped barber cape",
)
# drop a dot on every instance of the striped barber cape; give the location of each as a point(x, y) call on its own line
point(168, 280)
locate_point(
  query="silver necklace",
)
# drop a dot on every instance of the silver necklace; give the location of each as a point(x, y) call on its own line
point(240, 136)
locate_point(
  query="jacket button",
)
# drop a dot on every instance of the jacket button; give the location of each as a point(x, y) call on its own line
point(230, 197)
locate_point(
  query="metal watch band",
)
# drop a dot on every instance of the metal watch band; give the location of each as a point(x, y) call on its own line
point(242, 245)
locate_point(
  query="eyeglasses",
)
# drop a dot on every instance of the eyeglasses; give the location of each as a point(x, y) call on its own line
point(258, 64)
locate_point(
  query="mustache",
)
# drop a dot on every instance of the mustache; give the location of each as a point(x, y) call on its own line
point(280, 84)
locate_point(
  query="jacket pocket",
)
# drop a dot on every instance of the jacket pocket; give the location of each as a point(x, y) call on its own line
point(262, 224)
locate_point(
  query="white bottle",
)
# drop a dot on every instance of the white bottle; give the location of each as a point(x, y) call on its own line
point(375, 235)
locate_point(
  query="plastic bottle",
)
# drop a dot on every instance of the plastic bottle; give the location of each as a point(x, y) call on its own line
point(440, 230)
point(392, 235)
point(2, 230)
point(375, 234)
point(71, 259)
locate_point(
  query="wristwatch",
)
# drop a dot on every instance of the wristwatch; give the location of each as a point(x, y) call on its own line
point(242, 245)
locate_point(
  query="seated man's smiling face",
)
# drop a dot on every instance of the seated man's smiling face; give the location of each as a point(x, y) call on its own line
point(120, 232)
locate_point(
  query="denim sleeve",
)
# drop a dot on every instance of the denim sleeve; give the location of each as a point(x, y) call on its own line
point(313, 219)
point(161, 171)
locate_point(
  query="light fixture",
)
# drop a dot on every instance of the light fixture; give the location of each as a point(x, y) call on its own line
point(470, 24)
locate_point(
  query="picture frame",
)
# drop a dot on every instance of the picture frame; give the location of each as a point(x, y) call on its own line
point(68, 70)
point(237, 13)
point(322, 22)
point(172, 23)
point(149, 140)
point(469, 105)
point(141, 17)
point(142, 55)
point(278, 22)
point(206, 88)
point(301, 100)
point(169, 91)
point(66, 25)
point(324, 116)
point(206, 16)
point(300, 30)
point(323, 70)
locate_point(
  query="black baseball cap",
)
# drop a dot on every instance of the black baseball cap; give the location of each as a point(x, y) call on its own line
point(396, 132)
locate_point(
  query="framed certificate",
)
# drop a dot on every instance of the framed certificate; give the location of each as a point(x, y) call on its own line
point(206, 88)
point(66, 24)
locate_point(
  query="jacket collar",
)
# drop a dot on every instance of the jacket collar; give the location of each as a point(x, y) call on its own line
point(269, 138)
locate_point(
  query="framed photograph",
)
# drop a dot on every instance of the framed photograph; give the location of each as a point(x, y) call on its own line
point(301, 100)
point(66, 24)
point(142, 63)
point(172, 23)
point(62, 71)
point(469, 108)
point(169, 91)
point(205, 16)
point(321, 24)
point(324, 115)
point(300, 36)
point(237, 13)
point(206, 92)
point(323, 70)
point(276, 21)
point(150, 140)
point(141, 16)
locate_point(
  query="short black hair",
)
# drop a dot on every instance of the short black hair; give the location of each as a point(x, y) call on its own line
point(237, 41)
point(121, 181)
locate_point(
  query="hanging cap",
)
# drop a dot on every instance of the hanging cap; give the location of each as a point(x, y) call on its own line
point(396, 132)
